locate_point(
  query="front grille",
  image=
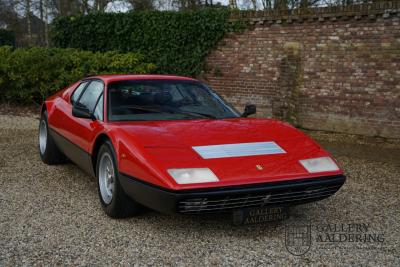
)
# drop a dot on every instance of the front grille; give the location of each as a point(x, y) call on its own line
point(272, 197)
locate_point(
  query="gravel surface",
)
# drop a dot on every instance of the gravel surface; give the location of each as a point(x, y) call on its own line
point(51, 215)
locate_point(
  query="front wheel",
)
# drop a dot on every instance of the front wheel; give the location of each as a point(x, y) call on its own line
point(113, 199)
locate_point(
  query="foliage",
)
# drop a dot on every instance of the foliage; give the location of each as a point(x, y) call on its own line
point(177, 42)
point(7, 37)
point(33, 74)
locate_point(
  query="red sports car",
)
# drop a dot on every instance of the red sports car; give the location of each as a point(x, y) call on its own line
point(172, 144)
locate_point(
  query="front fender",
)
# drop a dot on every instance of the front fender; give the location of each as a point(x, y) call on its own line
point(134, 160)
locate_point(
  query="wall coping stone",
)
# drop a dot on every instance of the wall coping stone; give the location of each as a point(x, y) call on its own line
point(371, 11)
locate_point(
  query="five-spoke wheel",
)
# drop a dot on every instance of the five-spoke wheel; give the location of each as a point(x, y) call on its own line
point(106, 177)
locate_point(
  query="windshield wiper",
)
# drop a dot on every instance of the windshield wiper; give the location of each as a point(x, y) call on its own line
point(199, 114)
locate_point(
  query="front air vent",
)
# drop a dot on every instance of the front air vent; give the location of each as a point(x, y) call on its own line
point(236, 201)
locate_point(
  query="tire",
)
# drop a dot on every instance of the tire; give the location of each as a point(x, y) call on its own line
point(48, 150)
point(113, 198)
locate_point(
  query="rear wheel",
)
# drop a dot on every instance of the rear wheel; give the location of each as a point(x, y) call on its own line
point(113, 199)
point(48, 150)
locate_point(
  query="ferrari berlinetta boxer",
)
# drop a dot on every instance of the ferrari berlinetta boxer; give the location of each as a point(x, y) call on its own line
point(174, 145)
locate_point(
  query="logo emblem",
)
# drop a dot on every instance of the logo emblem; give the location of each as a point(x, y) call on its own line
point(266, 199)
point(298, 238)
point(259, 167)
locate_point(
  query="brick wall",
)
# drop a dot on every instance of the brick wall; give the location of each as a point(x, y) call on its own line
point(334, 70)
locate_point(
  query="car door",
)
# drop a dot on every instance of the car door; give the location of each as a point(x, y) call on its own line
point(77, 134)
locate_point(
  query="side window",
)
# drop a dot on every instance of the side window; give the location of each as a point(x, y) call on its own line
point(98, 111)
point(77, 92)
point(91, 95)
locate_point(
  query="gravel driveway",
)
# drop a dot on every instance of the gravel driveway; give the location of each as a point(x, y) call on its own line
point(51, 215)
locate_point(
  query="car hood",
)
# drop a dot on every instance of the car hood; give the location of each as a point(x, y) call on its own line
point(172, 144)
point(188, 133)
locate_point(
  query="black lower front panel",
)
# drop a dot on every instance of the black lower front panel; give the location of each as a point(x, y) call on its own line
point(224, 199)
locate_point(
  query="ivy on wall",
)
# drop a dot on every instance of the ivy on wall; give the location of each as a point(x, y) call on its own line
point(176, 42)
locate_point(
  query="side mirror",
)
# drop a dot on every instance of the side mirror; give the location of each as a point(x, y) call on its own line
point(249, 110)
point(83, 112)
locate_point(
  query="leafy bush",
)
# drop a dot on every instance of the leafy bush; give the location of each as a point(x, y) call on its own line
point(177, 42)
point(7, 37)
point(33, 74)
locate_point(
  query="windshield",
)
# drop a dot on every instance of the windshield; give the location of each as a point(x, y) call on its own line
point(164, 100)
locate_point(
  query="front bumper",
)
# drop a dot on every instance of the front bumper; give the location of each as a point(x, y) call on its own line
point(194, 201)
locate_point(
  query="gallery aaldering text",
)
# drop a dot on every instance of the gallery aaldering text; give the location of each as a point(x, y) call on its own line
point(350, 232)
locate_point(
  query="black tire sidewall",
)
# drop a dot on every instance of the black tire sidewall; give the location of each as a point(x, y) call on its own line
point(52, 155)
point(45, 155)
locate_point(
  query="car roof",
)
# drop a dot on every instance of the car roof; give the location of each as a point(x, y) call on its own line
point(124, 77)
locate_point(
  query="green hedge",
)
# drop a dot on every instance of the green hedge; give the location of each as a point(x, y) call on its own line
point(7, 37)
point(32, 74)
point(177, 42)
